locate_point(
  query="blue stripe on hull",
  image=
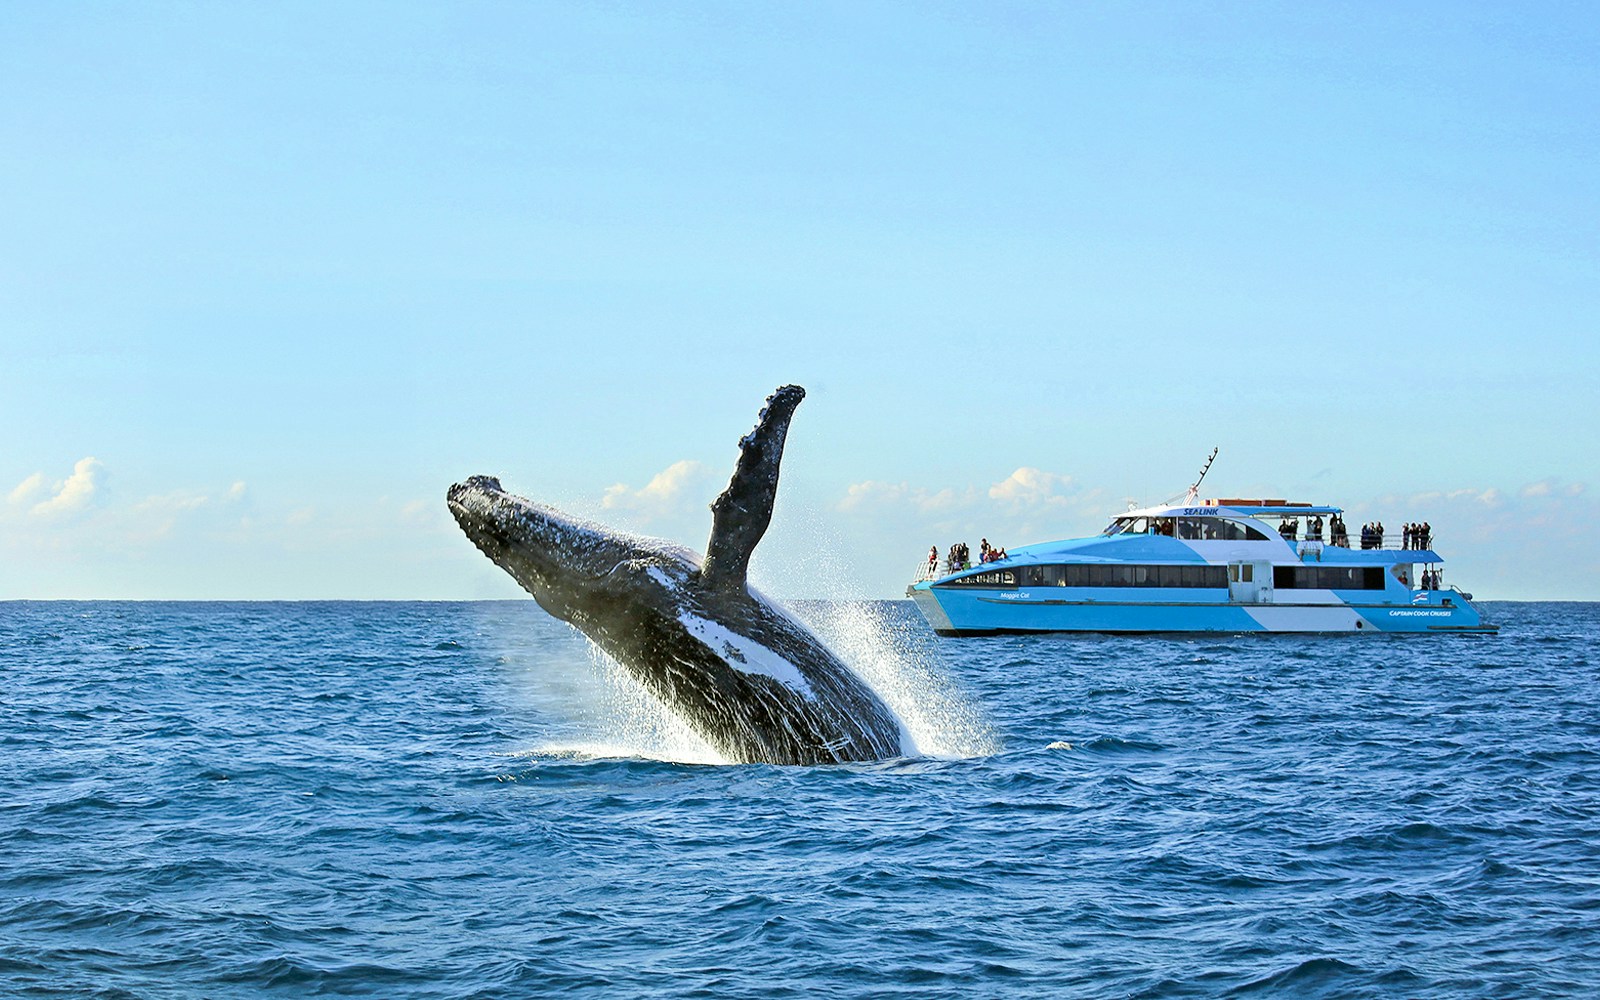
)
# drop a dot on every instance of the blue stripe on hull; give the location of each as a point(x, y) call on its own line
point(977, 611)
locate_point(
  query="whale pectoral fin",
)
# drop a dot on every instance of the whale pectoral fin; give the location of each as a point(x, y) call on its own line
point(739, 517)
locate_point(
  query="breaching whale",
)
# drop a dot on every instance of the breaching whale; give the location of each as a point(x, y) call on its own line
point(756, 684)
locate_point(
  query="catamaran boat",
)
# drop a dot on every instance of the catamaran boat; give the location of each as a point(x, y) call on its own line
point(1220, 565)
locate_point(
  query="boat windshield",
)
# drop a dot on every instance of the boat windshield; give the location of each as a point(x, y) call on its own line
point(1189, 528)
point(1140, 526)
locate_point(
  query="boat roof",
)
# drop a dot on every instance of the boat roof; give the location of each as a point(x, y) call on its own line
point(1219, 507)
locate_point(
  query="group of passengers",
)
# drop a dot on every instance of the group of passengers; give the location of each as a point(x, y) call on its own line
point(1289, 528)
point(1431, 579)
point(1418, 536)
point(1338, 534)
point(960, 557)
point(1372, 535)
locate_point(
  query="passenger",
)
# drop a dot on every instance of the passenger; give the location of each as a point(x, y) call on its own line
point(983, 550)
point(1377, 534)
point(933, 560)
point(1427, 535)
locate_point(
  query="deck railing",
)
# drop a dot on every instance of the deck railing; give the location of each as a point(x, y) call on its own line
point(1390, 542)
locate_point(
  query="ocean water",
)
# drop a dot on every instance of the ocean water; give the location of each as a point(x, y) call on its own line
point(461, 800)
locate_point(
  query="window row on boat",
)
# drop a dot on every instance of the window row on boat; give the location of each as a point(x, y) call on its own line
point(1134, 575)
point(1098, 575)
point(1328, 577)
point(1193, 529)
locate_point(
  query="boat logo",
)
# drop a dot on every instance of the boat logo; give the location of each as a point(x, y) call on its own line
point(1419, 598)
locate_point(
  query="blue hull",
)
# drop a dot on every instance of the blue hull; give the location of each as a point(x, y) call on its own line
point(973, 611)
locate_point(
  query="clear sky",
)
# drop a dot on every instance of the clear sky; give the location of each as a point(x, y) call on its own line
point(273, 275)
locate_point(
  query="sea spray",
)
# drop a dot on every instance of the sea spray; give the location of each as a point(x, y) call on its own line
point(633, 722)
point(893, 654)
point(905, 673)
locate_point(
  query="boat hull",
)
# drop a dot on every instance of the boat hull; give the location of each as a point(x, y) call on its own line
point(972, 611)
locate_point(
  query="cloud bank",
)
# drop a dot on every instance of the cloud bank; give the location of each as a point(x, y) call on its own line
point(674, 491)
point(75, 493)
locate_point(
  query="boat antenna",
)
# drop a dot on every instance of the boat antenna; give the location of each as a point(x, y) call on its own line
point(1193, 493)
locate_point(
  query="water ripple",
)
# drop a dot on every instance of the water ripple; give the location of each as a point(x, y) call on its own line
point(455, 800)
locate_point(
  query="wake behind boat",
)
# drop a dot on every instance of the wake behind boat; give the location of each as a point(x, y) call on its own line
point(1220, 565)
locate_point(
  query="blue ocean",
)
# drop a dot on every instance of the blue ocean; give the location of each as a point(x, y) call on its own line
point(463, 800)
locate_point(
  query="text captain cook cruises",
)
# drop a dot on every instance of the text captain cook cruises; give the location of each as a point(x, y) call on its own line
point(1222, 565)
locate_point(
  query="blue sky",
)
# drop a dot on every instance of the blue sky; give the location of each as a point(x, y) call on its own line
point(273, 275)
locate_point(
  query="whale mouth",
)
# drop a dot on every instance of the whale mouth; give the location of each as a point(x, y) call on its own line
point(540, 546)
point(458, 492)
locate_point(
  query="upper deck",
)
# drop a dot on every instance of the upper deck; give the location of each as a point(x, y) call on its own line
point(1237, 508)
point(1222, 530)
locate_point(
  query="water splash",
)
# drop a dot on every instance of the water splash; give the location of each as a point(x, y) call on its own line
point(889, 657)
point(894, 657)
point(621, 718)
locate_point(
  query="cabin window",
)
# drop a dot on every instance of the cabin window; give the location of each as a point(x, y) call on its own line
point(1003, 579)
point(1217, 529)
point(1099, 575)
point(1328, 577)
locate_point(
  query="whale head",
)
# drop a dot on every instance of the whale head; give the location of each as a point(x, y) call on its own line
point(565, 562)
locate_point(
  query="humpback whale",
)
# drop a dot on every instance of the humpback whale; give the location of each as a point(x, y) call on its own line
point(755, 683)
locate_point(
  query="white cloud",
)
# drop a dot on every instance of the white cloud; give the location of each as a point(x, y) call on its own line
point(875, 495)
point(1030, 487)
point(72, 494)
point(171, 503)
point(674, 489)
point(236, 492)
point(28, 489)
point(1026, 488)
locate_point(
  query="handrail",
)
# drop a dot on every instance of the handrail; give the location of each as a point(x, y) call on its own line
point(1390, 544)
